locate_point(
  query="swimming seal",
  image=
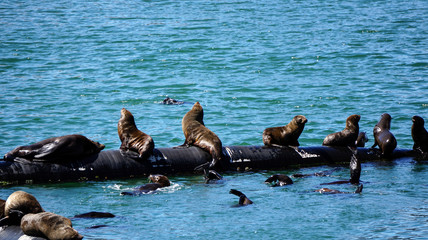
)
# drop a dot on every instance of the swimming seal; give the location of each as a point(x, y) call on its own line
point(354, 168)
point(362, 139)
point(133, 139)
point(95, 215)
point(171, 101)
point(419, 135)
point(243, 200)
point(49, 225)
point(383, 136)
point(211, 176)
point(279, 180)
point(17, 205)
point(287, 135)
point(334, 191)
point(57, 148)
point(317, 174)
point(197, 134)
point(347, 136)
point(157, 181)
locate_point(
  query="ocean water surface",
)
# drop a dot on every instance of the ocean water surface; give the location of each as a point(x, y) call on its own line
point(70, 66)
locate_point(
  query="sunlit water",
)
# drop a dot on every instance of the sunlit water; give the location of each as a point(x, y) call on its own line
point(70, 66)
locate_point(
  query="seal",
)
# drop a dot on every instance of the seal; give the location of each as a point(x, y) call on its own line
point(57, 149)
point(49, 225)
point(347, 137)
point(197, 134)
point(355, 171)
point(95, 215)
point(334, 191)
point(171, 101)
point(325, 173)
point(362, 139)
point(279, 180)
point(419, 135)
point(243, 200)
point(287, 135)
point(383, 136)
point(211, 176)
point(2, 203)
point(133, 139)
point(157, 181)
point(17, 205)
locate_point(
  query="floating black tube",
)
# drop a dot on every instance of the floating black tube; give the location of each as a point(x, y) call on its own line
point(111, 164)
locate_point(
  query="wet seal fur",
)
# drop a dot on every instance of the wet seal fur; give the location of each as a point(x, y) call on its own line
point(133, 139)
point(334, 191)
point(287, 135)
point(354, 168)
point(347, 137)
point(325, 173)
point(211, 176)
point(279, 180)
point(197, 134)
point(419, 135)
point(383, 136)
point(17, 205)
point(243, 200)
point(49, 225)
point(57, 149)
point(362, 139)
point(157, 181)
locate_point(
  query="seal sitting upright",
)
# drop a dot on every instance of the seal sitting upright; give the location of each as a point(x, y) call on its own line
point(419, 135)
point(197, 134)
point(133, 139)
point(348, 136)
point(287, 135)
point(383, 136)
point(57, 148)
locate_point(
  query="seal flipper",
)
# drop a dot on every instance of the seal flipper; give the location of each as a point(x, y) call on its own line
point(359, 189)
point(243, 200)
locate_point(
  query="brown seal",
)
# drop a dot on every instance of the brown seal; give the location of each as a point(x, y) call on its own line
point(334, 191)
point(287, 135)
point(197, 134)
point(362, 139)
point(17, 205)
point(347, 137)
point(49, 225)
point(243, 200)
point(419, 135)
point(57, 148)
point(157, 181)
point(383, 136)
point(279, 180)
point(133, 139)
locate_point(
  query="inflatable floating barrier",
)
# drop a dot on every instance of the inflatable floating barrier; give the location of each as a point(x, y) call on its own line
point(15, 233)
point(112, 164)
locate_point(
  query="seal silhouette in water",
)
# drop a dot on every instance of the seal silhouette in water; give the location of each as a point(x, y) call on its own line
point(419, 135)
point(279, 180)
point(211, 176)
point(317, 174)
point(133, 139)
point(95, 215)
point(334, 191)
point(355, 170)
point(57, 148)
point(383, 136)
point(197, 134)
point(346, 137)
point(362, 139)
point(157, 181)
point(287, 135)
point(243, 200)
point(17, 205)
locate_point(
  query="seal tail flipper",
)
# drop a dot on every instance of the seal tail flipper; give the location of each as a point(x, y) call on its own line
point(243, 200)
point(359, 189)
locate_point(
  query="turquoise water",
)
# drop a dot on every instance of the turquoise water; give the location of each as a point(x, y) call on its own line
point(70, 66)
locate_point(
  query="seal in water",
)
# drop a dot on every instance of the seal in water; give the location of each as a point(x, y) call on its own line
point(355, 171)
point(347, 136)
point(17, 205)
point(49, 225)
point(243, 200)
point(95, 215)
point(279, 180)
point(57, 148)
point(325, 173)
point(334, 191)
point(362, 139)
point(287, 135)
point(211, 176)
point(157, 181)
point(419, 135)
point(383, 136)
point(133, 139)
point(171, 101)
point(197, 134)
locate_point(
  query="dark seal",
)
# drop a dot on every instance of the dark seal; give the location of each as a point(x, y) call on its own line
point(279, 180)
point(211, 176)
point(243, 199)
point(171, 101)
point(346, 137)
point(419, 135)
point(157, 181)
point(95, 215)
point(287, 135)
point(17, 205)
point(197, 134)
point(362, 139)
point(133, 139)
point(334, 191)
point(49, 225)
point(57, 149)
point(354, 168)
point(383, 136)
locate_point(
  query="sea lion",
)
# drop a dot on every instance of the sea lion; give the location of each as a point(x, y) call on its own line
point(197, 134)
point(49, 225)
point(243, 200)
point(287, 135)
point(334, 191)
point(325, 173)
point(170, 101)
point(133, 139)
point(362, 139)
point(383, 136)
point(157, 181)
point(95, 215)
point(279, 180)
point(211, 176)
point(17, 205)
point(347, 136)
point(57, 148)
point(355, 171)
point(419, 135)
